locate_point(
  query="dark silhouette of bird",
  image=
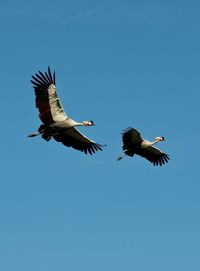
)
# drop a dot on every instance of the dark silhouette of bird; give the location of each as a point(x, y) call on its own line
point(133, 144)
point(55, 121)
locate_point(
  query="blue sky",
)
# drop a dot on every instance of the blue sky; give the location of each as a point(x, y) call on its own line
point(119, 63)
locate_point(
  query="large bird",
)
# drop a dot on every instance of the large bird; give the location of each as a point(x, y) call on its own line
point(56, 123)
point(133, 143)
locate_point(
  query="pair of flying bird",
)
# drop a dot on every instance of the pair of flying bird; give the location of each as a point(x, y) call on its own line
point(58, 125)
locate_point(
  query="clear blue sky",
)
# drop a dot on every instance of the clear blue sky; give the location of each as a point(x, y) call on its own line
point(118, 63)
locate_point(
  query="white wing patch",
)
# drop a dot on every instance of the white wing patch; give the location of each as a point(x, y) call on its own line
point(57, 111)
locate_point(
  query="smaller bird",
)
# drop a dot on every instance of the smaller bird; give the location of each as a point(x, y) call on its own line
point(133, 143)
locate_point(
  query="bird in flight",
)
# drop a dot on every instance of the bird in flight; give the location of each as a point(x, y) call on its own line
point(55, 121)
point(133, 144)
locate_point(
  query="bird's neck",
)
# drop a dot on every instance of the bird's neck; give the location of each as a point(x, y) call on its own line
point(147, 143)
point(79, 124)
point(155, 141)
point(74, 123)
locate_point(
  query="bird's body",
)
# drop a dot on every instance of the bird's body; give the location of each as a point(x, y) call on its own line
point(55, 121)
point(133, 144)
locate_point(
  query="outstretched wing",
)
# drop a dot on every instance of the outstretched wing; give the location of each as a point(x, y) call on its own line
point(131, 137)
point(73, 138)
point(154, 155)
point(47, 100)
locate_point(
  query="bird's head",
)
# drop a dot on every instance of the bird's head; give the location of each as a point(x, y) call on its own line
point(160, 138)
point(88, 123)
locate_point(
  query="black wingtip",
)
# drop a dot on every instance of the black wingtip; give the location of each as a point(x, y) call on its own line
point(43, 79)
point(52, 75)
point(126, 130)
point(101, 146)
point(105, 145)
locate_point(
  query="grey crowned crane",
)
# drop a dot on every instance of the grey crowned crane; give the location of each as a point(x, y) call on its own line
point(56, 123)
point(133, 143)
